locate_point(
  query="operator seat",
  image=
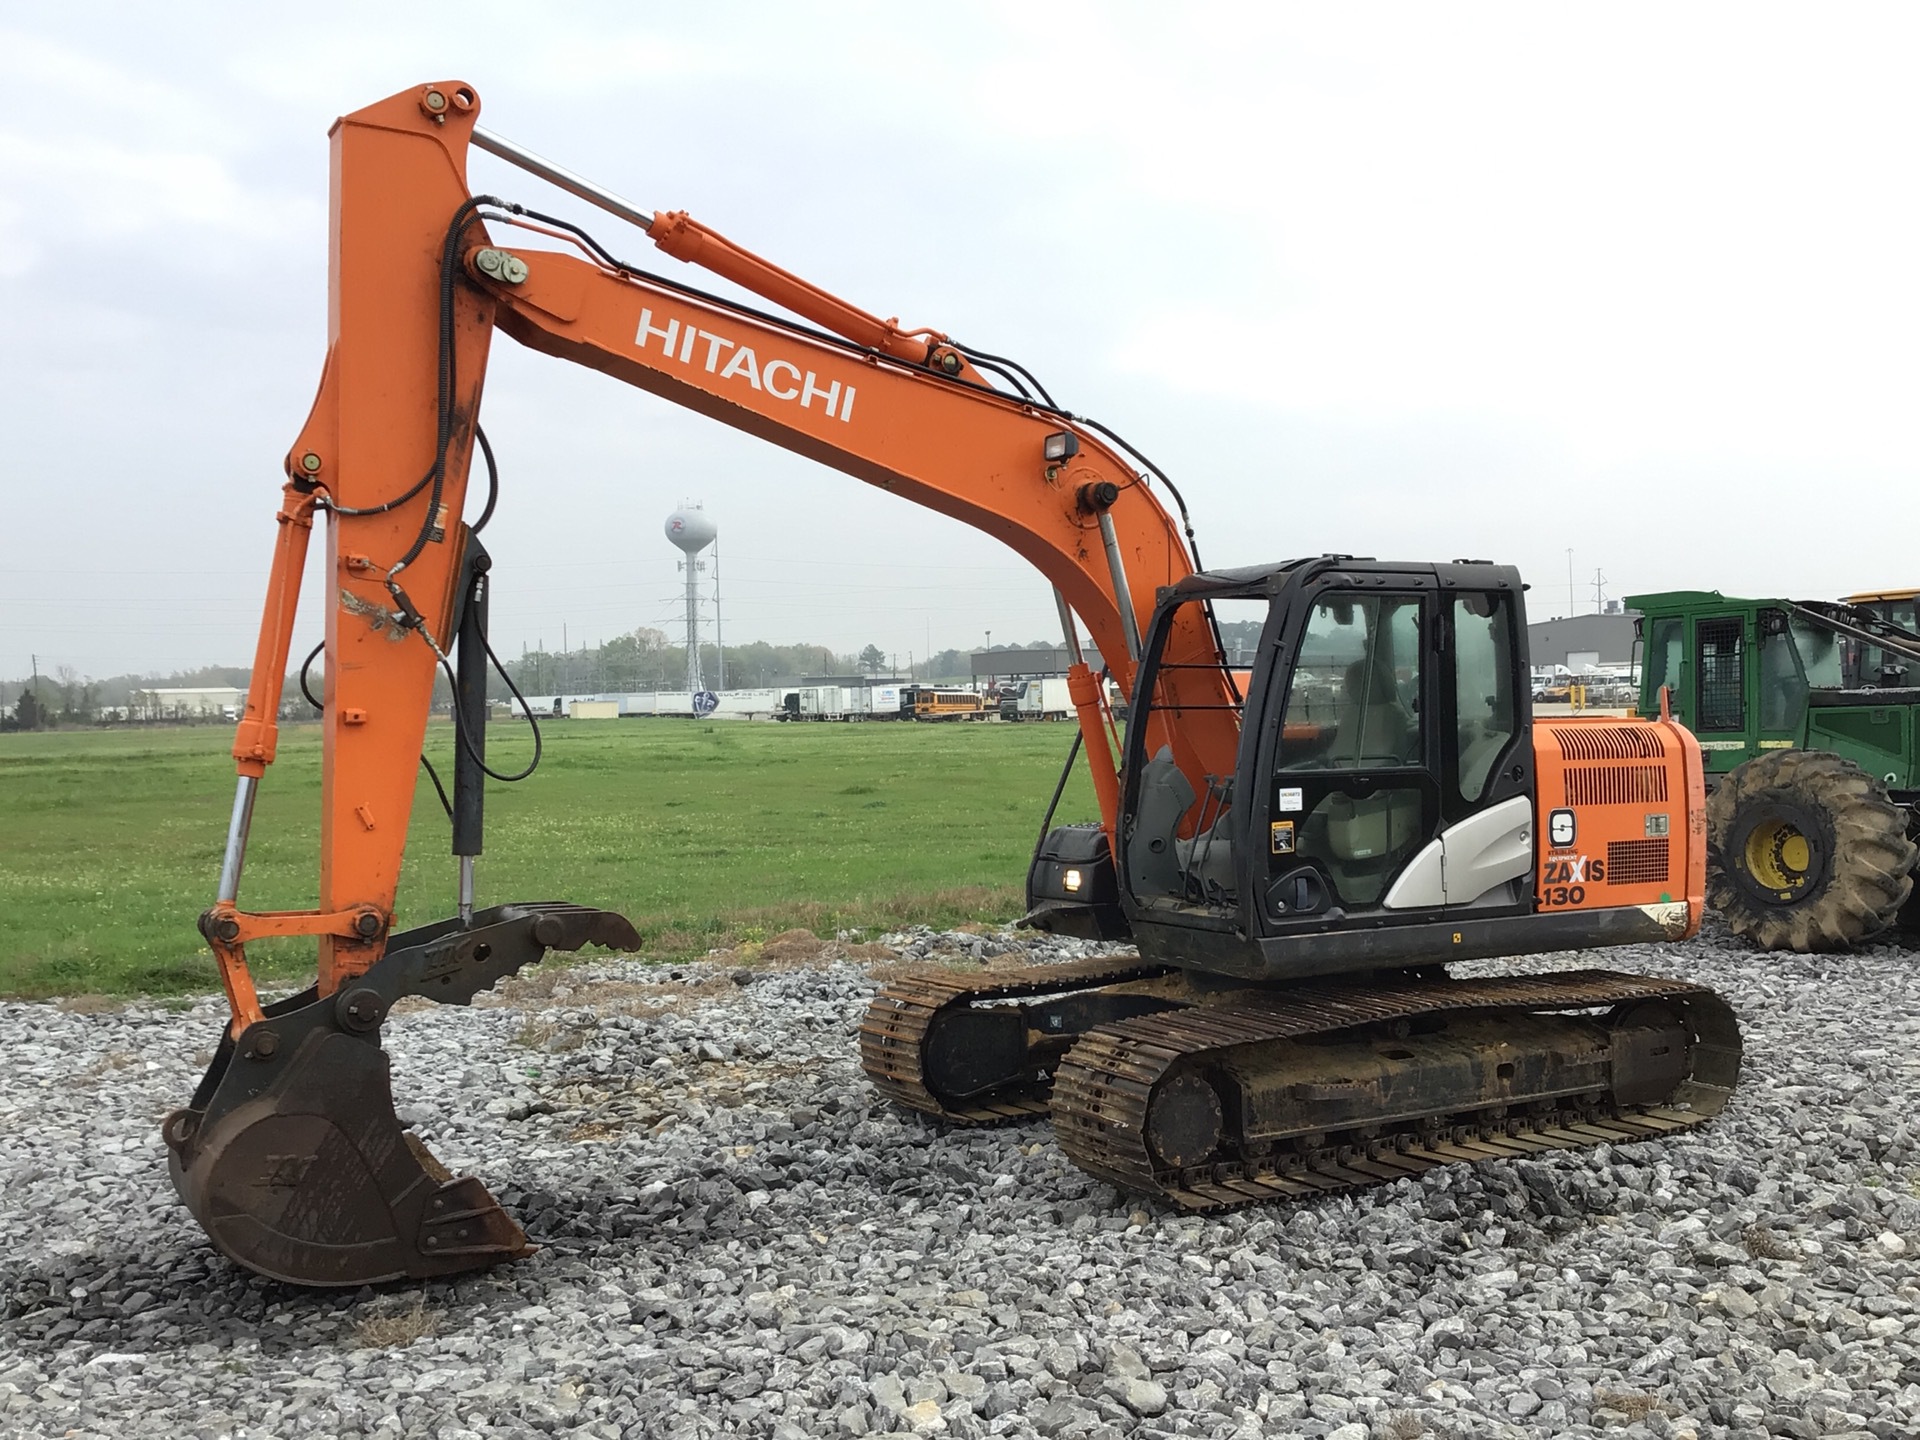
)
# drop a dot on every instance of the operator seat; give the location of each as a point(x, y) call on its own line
point(1373, 728)
point(1369, 835)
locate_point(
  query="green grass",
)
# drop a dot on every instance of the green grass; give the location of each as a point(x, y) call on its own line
point(702, 834)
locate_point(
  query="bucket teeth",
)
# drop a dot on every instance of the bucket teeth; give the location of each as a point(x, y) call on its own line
point(291, 1155)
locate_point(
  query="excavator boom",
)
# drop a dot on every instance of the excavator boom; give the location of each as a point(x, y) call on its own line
point(418, 282)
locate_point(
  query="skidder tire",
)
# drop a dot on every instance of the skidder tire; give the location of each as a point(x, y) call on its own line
point(1805, 852)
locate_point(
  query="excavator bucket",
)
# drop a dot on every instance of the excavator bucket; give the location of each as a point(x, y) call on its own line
point(291, 1155)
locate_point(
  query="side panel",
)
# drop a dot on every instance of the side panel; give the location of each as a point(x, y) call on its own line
point(1618, 802)
point(1877, 738)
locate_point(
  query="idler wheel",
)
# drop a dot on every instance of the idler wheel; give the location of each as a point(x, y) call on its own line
point(1185, 1120)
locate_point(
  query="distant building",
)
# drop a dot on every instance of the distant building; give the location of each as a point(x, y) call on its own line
point(1583, 642)
point(1030, 664)
point(207, 702)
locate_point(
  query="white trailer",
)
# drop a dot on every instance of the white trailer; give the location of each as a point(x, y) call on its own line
point(829, 702)
point(1042, 699)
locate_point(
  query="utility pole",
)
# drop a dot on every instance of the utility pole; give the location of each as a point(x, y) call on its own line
point(1569, 582)
point(719, 644)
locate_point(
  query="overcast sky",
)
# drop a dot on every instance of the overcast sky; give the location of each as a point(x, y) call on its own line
point(1416, 282)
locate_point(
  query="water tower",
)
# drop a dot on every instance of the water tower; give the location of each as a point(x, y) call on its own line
point(690, 528)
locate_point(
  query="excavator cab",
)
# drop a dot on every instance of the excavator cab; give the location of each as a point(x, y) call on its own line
point(1384, 808)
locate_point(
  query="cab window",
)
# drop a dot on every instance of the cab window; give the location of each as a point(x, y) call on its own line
point(1486, 713)
point(1783, 688)
point(1721, 670)
point(1179, 839)
point(1665, 640)
point(1822, 656)
point(1352, 796)
point(1355, 698)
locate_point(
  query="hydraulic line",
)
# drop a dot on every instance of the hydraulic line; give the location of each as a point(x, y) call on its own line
point(1066, 774)
point(1004, 366)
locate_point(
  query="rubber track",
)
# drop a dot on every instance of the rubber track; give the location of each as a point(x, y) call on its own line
point(1103, 1087)
point(902, 1014)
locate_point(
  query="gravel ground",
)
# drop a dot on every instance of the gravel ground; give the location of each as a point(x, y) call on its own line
point(738, 1241)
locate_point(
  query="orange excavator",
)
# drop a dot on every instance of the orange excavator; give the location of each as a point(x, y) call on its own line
point(1298, 840)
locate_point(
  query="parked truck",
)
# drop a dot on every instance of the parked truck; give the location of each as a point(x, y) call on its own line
point(1045, 698)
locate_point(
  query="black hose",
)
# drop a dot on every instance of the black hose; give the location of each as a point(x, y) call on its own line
point(436, 473)
point(977, 356)
point(305, 666)
point(425, 764)
point(1186, 520)
point(438, 788)
point(1066, 773)
point(980, 362)
point(825, 337)
point(493, 481)
point(466, 741)
point(449, 273)
point(996, 362)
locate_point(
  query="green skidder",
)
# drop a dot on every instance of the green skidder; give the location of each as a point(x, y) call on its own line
point(1808, 716)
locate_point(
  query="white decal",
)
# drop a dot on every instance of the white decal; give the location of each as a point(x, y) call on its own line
point(667, 336)
point(794, 370)
point(781, 379)
point(1560, 828)
point(744, 362)
point(1292, 798)
point(809, 392)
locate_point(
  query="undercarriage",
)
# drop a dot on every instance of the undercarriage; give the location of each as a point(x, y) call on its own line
point(1213, 1095)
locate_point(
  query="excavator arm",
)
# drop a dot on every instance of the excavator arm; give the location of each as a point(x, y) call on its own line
point(290, 1154)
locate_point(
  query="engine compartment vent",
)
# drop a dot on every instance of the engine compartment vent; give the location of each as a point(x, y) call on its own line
point(1609, 742)
point(1637, 862)
point(1616, 785)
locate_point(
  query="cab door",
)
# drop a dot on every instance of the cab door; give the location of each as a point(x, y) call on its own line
point(1719, 683)
point(1351, 790)
point(1392, 783)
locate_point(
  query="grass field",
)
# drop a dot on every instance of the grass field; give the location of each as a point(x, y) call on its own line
point(702, 834)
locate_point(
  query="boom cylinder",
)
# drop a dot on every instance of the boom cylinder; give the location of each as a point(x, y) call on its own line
point(553, 174)
point(1122, 596)
point(234, 858)
point(1067, 627)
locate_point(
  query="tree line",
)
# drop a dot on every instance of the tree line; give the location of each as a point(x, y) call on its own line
point(642, 660)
